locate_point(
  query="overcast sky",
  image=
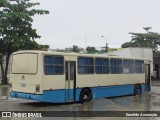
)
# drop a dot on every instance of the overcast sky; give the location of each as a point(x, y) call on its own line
point(72, 22)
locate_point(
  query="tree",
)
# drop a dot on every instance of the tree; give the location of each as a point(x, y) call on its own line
point(127, 44)
point(43, 47)
point(148, 39)
point(16, 32)
point(76, 48)
point(90, 49)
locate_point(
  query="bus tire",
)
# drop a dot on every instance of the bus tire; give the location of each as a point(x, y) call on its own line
point(85, 95)
point(137, 89)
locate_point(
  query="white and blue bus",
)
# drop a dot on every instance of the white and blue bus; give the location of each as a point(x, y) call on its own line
point(59, 77)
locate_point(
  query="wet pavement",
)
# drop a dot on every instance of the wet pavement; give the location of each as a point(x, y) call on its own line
point(150, 101)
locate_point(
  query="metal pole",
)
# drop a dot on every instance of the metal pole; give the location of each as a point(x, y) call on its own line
point(106, 43)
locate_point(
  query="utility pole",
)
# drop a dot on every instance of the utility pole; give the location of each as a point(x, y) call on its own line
point(85, 38)
point(106, 47)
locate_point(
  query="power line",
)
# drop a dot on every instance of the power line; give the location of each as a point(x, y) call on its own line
point(115, 43)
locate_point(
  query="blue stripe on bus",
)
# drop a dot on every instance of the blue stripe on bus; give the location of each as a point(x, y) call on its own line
point(113, 91)
point(59, 96)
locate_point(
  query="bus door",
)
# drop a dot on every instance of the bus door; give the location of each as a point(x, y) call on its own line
point(147, 77)
point(70, 76)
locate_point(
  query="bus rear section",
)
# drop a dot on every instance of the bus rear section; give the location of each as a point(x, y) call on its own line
point(25, 77)
point(43, 77)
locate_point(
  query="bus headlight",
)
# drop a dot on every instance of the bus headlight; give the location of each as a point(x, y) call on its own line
point(37, 88)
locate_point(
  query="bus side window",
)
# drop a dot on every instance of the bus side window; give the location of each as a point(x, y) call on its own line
point(85, 65)
point(116, 66)
point(128, 66)
point(101, 66)
point(139, 66)
point(53, 65)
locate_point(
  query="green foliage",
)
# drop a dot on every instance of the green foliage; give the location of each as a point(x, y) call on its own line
point(76, 48)
point(127, 44)
point(91, 49)
point(40, 47)
point(148, 39)
point(16, 32)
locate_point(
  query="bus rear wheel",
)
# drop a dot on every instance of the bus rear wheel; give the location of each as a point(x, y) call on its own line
point(85, 96)
point(137, 89)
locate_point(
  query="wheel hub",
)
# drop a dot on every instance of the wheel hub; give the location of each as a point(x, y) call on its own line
point(85, 97)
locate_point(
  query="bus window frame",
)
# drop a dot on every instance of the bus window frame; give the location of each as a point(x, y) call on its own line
point(83, 65)
point(102, 65)
point(63, 65)
point(129, 66)
point(116, 67)
point(142, 66)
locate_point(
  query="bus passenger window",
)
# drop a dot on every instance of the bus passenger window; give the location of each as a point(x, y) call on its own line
point(139, 66)
point(128, 66)
point(102, 66)
point(53, 65)
point(85, 65)
point(116, 66)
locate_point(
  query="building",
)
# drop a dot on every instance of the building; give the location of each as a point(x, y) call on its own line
point(156, 65)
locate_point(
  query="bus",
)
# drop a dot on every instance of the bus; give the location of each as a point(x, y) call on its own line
point(59, 77)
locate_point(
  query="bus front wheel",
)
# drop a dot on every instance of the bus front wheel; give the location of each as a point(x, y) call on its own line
point(137, 89)
point(85, 95)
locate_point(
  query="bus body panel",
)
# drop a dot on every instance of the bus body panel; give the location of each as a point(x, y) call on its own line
point(109, 79)
point(53, 82)
point(58, 96)
point(114, 91)
point(57, 81)
point(54, 88)
point(23, 81)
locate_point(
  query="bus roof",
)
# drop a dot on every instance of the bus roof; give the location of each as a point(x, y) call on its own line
point(75, 54)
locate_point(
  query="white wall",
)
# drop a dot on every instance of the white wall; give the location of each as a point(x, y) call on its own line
point(134, 52)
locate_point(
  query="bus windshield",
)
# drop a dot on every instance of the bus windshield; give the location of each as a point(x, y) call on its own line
point(25, 63)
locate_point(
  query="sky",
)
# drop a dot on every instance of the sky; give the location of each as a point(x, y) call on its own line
point(84, 22)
